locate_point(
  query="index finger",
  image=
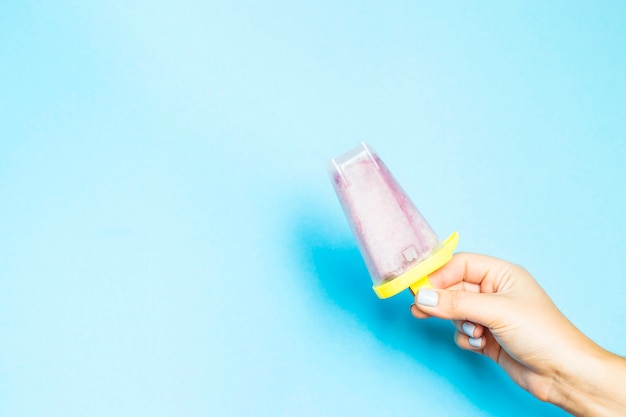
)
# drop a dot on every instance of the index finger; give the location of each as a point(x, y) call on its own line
point(471, 268)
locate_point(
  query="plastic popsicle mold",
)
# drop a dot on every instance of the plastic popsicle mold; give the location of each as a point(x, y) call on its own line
point(399, 247)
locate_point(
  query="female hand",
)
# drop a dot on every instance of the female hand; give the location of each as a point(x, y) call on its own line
point(500, 311)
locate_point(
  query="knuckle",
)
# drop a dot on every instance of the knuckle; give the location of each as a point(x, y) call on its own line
point(455, 301)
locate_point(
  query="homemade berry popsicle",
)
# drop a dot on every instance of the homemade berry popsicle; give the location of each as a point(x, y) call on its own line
point(399, 247)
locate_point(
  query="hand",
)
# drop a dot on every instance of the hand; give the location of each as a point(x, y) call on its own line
point(500, 311)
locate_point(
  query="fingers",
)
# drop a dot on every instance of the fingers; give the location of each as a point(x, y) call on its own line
point(418, 314)
point(469, 328)
point(469, 343)
point(464, 286)
point(474, 307)
point(486, 345)
point(468, 335)
point(467, 267)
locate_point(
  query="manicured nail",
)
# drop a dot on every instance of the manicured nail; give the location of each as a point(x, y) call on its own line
point(475, 341)
point(428, 298)
point(468, 328)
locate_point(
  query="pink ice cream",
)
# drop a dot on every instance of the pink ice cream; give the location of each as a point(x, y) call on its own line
point(391, 233)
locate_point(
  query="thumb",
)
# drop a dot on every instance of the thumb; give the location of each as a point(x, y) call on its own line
point(460, 305)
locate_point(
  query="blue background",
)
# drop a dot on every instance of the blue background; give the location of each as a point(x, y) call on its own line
point(170, 244)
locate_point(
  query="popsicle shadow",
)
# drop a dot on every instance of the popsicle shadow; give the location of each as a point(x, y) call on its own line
point(341, 273)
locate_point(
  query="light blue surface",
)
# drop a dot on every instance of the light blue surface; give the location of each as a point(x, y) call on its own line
point(170, 244)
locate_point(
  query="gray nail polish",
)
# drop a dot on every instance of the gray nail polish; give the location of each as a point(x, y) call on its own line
point(428, 298)
point(475, 341)
point(468, 328)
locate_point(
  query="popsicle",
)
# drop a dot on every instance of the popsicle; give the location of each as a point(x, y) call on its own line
point(399, 247)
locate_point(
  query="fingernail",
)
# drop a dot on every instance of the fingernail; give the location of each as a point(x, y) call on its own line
point(475, 341)
point(468, 328)
point(428, 298)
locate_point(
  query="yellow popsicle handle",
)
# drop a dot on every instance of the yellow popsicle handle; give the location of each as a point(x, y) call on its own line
point(422, 283)
point(417, 277)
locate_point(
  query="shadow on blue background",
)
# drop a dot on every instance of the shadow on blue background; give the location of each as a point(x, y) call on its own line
point(341, 272)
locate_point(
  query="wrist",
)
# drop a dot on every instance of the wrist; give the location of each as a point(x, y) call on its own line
point(591, 385)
